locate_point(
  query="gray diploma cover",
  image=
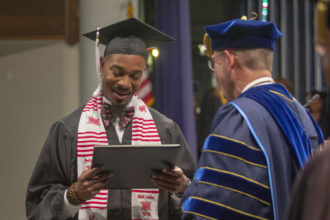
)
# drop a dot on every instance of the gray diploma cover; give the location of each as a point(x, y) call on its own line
point(133, 165)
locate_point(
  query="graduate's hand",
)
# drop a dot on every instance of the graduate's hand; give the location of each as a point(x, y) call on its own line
point(173, 181)
point(90, 182)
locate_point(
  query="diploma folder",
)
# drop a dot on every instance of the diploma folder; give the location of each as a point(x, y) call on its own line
point(133, 165)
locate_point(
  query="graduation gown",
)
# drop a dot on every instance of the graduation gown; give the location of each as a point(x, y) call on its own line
point(311, 191)
point(56, 170)
point(240, 176)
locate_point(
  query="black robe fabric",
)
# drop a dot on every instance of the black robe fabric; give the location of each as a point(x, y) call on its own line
point(56, 170)
point(311, 190)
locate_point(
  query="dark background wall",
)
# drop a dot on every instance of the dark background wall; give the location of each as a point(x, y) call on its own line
point(204, 13)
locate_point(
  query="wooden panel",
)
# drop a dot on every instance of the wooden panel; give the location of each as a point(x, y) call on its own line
point(71, 31)
point(39, 19)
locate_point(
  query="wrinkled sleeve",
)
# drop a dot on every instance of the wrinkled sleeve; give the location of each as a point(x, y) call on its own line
point(52, 175)
point(185, 160)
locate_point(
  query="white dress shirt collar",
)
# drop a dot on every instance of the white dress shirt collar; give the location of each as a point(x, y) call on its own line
point(259, 82)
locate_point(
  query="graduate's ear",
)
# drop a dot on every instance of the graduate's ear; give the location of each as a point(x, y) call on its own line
point(102, 65)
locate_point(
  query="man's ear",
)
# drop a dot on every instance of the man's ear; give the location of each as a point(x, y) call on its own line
point(102, 65)
point(230, 58)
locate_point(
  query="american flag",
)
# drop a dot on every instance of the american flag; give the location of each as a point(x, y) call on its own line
point(145, 90)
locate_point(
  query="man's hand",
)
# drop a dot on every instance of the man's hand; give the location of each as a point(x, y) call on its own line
point(173, 181)
point(90, 182)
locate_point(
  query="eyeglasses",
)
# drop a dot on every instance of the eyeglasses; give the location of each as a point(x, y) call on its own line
point(210, 64)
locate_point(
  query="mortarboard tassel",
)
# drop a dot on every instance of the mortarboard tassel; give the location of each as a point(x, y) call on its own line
point(97, 62)
point(207, 43)
point(244, 17)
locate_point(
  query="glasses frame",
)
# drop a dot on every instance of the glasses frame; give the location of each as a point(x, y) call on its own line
point(210, 64)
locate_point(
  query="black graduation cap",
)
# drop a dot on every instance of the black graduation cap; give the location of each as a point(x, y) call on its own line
point(129, 36)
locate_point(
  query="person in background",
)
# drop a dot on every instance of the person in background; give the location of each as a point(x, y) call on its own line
point(285, 83)
point(318, 109)
point(258, 140)
point(63, 184)
point(311, 192)
point(211, 101)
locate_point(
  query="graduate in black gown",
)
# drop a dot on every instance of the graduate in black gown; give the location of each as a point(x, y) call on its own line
point(258, 140)
point(63, 184)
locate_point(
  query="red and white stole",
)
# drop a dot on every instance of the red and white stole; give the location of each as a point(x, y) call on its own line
point(91, 132)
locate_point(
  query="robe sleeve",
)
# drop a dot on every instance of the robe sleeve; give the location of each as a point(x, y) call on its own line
point(170, 133)
point(220, 188)
point(52, 175)
point(185, 160)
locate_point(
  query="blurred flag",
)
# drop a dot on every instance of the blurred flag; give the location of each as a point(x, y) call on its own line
point(145, 90)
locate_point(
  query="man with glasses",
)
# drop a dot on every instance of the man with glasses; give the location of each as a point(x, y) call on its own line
point(258, 140)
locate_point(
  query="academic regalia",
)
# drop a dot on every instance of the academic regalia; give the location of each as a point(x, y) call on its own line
point(246, 173)
point(311, 191)
point(56, 170)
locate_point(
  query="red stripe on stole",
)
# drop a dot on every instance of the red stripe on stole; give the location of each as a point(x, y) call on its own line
point(87, 145)
point(80, 151)
point(94, 202)
point(139, 126)
point(95, 141)
point(87, 109)
point(84, 155)
point(91, 137)
point(143, 123)
point(145, 191)
point(91, 132)
point(95, 103)
point(99, 198)
point(98, 98)
point(92, 105)
point(141, 119)
point(92, 207)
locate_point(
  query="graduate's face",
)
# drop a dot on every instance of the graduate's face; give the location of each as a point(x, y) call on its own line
point(121, 77)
